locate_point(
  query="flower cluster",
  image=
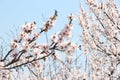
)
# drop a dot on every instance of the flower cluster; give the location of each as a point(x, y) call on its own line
point(100, 38)
point(59, 38)
point(4, 75)
point(50, 23)
point(65, 33)
point(25, 48)
point(29, 27)
point(14, 44)
point(68, 47)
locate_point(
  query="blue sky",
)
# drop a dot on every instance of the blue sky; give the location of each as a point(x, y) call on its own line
point(14, 13)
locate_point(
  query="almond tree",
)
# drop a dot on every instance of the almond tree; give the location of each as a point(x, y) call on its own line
point(101, 39)
point(60, 59)
point(26, 52)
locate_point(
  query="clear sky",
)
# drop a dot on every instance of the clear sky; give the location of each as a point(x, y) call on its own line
point(14, 13)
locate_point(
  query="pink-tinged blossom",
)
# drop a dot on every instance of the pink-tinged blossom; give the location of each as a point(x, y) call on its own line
point(22, 35)
point(68, 47)
point(36, 51)
point(66, 31)
point(29, 27)
point(23, 28)
point(54, 38)
point(50, 23)
point(32, 25)
point(69, 52)
point(60, 35)
point(27, 39)
point(69, 27)
point(60, 40)
point(4, 74)
point(44, 47)
point(57, 56)
point(61, 46)
point(25, 45)
point(14, 45)
point(36, 35)
point(71, 48)
point(71, 16)
point(1, 64)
